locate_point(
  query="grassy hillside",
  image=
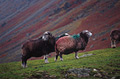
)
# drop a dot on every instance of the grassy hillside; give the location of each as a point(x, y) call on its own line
point(21, 20)
point(105, 63)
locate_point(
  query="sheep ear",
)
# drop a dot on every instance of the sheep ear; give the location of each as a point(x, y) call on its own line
point(43, 37)
point(66, 34)
point(84, 31)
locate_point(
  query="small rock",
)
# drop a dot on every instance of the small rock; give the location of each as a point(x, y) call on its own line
point(86, 55)
point(52, 76)
point(83, 75)
point(98, 75)
point(46, 75)
point(113, 77)
point(79, 75)
point(95, 70)
point(72, 74)
point(66, 75)
point(117, 77)
point(81, 72)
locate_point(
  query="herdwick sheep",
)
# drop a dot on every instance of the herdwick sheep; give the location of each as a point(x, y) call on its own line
point(115, 37)
point(38, 48)
point(74, 43)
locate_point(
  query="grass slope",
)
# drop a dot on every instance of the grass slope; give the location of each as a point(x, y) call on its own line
point(105, 60)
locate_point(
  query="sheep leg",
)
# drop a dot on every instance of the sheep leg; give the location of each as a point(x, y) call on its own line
point(56, 57)
point(113, 43)
point(46, 58)
point(76, 55)
point(61, 57)
point(24, 61)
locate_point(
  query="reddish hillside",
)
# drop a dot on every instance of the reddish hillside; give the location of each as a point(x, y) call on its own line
point(23, 20)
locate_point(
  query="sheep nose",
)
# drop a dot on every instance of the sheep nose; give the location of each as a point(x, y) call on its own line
point(90, 34)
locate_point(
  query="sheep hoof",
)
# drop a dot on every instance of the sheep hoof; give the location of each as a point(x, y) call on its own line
point(24, 66)
point(61, 59)
point(55, 59)
point(77, 57)
point(46, 61)
point(113, 47)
